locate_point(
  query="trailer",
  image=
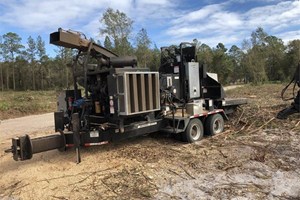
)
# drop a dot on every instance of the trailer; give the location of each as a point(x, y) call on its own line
point(112, 99)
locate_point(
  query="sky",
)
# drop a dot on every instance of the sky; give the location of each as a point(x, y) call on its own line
point(166, 21)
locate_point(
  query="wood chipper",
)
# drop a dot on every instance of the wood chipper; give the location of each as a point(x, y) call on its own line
point(114, 99)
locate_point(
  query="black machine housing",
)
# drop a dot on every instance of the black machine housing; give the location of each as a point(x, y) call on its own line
point(180, 69)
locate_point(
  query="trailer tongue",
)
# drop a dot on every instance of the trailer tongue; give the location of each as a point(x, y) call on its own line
point(122, 101)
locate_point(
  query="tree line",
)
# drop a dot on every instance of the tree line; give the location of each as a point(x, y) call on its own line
point(261, 58)
point(31, 68)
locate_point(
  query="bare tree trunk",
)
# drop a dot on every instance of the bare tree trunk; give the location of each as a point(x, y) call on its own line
point(14, 79)
point(7, 78)
point(33, 76)
point(67, 78)
point(42, 78)
point(1, 73)
point(62, 76)
point(13, 69)
point(49, 79)
point(42, 81)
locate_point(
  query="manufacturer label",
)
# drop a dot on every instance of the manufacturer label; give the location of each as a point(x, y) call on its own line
point(94, 134)
point(112, 110)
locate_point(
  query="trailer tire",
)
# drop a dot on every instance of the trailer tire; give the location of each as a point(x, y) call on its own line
point(193, 132)
point(214, 124)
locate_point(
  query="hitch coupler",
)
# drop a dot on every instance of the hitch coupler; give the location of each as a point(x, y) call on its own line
point(23, 147)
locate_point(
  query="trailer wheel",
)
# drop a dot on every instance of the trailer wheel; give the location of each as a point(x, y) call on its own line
point(214, 124)
point(193, 132)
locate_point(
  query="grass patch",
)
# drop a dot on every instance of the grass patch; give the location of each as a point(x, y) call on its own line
point(16, 104)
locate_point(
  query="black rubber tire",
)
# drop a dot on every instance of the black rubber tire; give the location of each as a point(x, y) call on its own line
point(214, 124)
point(193, 132)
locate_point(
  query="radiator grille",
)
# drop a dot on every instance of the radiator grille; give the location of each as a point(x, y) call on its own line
point(138, 92)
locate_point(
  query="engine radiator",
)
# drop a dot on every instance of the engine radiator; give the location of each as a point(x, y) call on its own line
point(138, 92)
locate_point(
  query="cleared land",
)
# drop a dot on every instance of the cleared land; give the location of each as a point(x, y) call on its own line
point(257, 157)
point(18, 104)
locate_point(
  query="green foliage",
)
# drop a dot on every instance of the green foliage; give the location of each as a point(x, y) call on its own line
point(221, 63)
point(14, 104)
point(258, 37)
point(143, 51)
point(31, 50)
point(154, 62)
point(262, 58)
point(11, 45)
point(275, 52)
point(254, 66)
point(291, 59)
point(63, 60)
point(4, 106)
point(31, 54)
point(265, 59)
point(205, 55)
point(107, 43)
point(235, 58)
point(118, 27)
point(41, 50)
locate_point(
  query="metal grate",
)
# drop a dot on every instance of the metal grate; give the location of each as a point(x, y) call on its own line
point(138, 92)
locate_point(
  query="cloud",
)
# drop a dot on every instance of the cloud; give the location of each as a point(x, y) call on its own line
point(153, 2)
point(209, 20)
point(92, 28)
point(153, 11)
point(197, 15)
point(166, 21)
point(219, 22)
point(274, 15)
point(38, 15)
point(44, 15)
point(289, 36)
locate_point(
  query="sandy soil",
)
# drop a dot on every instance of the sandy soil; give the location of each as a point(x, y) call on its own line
point(257, 157)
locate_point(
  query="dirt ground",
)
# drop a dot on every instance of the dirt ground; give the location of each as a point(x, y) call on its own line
point(257, 157)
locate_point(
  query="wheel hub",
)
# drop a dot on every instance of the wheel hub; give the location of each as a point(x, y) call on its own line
point(195, 132)
point(217, 126)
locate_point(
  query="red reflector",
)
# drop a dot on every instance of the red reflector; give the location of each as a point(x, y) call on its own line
point(95, 143)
